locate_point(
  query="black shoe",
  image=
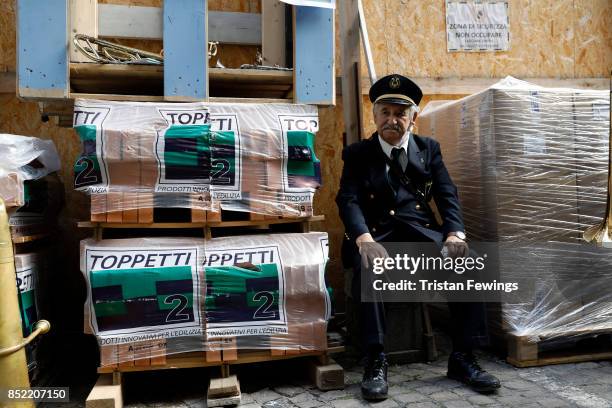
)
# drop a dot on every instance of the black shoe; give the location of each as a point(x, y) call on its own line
point(465, 368)
point(374, 386)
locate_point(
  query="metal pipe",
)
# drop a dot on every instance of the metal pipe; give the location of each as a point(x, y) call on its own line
point(366, 43)
point(13, 366)
point(41, 327)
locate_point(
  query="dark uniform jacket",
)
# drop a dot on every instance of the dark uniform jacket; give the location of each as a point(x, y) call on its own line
point(368, 203)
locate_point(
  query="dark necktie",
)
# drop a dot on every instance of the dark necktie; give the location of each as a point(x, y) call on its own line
point(399, 159)
point(399, 156)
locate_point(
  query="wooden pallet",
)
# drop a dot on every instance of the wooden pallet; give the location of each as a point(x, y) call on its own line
point(207, 227)
point(140, 212)
point(151, 215)
point(222, 391)
point(571, 347)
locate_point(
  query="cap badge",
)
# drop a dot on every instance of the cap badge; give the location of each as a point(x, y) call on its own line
point(394, 82)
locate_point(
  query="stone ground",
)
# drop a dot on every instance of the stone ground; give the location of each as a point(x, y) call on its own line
point(278, 385)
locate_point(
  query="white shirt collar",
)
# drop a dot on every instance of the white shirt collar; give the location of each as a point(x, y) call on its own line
point(387, 147)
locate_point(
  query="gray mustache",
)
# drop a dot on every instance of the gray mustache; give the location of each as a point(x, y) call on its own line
point(392, 128)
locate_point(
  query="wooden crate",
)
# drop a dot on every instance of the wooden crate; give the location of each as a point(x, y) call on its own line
point(49, 67)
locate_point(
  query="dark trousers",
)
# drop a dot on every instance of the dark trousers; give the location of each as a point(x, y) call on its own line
point(469, 329)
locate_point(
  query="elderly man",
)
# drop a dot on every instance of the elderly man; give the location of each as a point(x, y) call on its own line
point(386, 185)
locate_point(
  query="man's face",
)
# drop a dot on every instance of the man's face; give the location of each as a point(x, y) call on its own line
point(392, 121)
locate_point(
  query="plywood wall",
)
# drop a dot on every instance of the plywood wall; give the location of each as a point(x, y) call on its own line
point(550, 38)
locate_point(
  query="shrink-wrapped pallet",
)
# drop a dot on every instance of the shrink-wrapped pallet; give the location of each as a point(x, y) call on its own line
point(23, 158)
point(149, 298)
point(531, 167)
point(244, 157)
point(143, 155)
point(277, 168)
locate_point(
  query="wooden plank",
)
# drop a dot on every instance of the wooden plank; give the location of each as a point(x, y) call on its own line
point(83, 20)
point(105, 394)
point(223, 387)
point(328, 376)
point(351, 71)
point(235, 28)
point(137, 22)
point(42, 48)
point(230, 349)
point(213, 356)
point(520, 348)
point(250, 76)
point(273, 47)
point(158, 353)
point(198, 215)
point(98, 204)
point(199, 359)
point(154, 98)
point(185, 50)
point(8, 83)
point(561, 358)
point(224, 224)
point(108, 356)
point(125, 356)
point(213, 216)
point(314, 73)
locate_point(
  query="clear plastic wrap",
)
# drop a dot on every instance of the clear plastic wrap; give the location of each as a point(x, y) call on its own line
point(32, 284)
point(43, 200)
point(531, 167)
point(243, 157)
point(23, 158)
point(149, 298)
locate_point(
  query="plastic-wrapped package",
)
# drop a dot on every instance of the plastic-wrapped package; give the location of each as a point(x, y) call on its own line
point(143, 155)
point(245, 157)
point(24, 158)
point(277, 169)
point(32, 276)
point(531, 167)
point(43, 199)
point(153, 297)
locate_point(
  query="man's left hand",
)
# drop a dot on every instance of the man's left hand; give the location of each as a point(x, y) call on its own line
point(456, 247)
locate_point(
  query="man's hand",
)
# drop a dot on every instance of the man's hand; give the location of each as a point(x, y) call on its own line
point(455, 247)
point(369, 249)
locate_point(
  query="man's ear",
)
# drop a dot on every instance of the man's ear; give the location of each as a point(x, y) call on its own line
point(414, 117)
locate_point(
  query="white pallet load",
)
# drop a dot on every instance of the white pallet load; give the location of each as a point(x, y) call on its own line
point(531, 167)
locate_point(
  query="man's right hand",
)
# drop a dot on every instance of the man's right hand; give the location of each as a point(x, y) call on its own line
point(369, 249)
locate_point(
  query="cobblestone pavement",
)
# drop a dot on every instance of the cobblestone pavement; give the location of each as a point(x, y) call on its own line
point(277, 385)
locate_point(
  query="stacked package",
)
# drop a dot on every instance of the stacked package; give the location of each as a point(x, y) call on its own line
point(244, 157)
point(32, 270)
point(531, 167)
point(31, 193)
point(33, 197)
point(152, 297)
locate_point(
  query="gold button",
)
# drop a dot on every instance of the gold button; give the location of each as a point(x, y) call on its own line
point(427, 225)
point(418, 207)
point(374, 229)
point(371, 196)
point(391, 212)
